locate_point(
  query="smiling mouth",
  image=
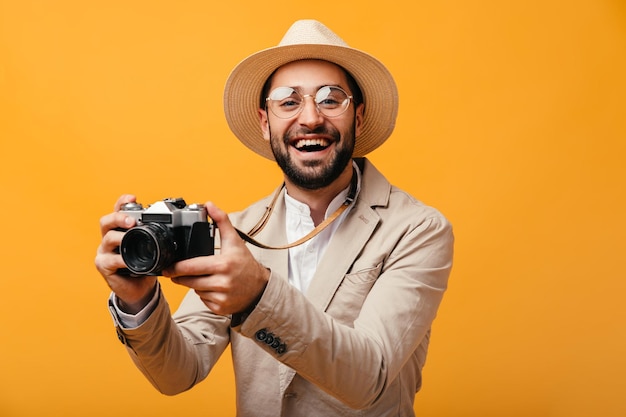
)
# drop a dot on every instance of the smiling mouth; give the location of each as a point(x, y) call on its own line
point(311, 145)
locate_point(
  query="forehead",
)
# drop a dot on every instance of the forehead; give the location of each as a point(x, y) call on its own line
point(309, 73)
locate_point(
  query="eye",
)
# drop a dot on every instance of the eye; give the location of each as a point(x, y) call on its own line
point(289, 103)
point(285, 98)
point(329, 101)
point(330, 97)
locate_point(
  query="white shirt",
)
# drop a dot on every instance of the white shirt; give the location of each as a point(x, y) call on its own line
point(304, 258)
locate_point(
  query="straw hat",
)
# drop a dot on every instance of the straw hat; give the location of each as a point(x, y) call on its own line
point(310, 39)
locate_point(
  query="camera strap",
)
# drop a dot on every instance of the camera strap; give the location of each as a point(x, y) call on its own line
point(249, 237)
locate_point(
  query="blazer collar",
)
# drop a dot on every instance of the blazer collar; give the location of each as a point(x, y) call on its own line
point(344, 247)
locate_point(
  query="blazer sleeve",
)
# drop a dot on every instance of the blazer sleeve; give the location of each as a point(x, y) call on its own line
point(355, 363)
point(175, 353)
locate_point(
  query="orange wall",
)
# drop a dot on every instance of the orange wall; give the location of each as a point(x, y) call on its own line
point(512, 122)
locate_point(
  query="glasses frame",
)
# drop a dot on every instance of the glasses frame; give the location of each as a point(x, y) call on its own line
point(317, 106)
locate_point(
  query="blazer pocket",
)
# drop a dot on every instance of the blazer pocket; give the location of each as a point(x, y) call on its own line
point(346, 304)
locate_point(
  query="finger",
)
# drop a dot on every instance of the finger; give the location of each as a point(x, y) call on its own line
point(108, 264)
point(215, 301)
point(228, 234)
point(213, 306)
point(218, 284)
point(110, 241)
point(192, 267)
point(114, 221)
point(123, 199)
point(192, 282)
point(200, 284)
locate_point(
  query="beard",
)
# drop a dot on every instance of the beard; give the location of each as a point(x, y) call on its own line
point(315, 174)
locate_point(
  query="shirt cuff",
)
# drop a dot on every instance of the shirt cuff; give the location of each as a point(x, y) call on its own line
point(132, 321)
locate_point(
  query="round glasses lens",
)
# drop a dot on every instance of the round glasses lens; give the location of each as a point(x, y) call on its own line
point(284, 102)
point(332, 101)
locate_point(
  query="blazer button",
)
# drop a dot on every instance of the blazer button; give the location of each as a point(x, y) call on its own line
point(269, 339)
point(281, 349)
point(261, 335)
point(275, 343)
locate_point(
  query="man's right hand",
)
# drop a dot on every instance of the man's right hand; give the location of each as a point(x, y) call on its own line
point(133, 293)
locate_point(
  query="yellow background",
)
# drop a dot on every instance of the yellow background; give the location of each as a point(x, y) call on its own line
point(512, 122)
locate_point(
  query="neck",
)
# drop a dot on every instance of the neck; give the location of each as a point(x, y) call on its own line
point(319, 199)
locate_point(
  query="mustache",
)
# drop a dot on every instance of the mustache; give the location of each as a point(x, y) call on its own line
point(320, 130)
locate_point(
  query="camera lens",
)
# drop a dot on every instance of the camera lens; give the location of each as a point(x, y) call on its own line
point(148, 248)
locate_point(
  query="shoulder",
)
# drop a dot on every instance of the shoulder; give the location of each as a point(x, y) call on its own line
point(394, 205)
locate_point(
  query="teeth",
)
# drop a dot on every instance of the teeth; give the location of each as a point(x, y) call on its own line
point(310, 142)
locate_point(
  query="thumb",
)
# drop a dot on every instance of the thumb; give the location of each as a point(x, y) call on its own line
point(228, 234)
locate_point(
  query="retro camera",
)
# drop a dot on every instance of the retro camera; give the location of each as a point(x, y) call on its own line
point(166, 232)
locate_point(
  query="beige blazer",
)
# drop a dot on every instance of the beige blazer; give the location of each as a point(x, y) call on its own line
point(354, 345)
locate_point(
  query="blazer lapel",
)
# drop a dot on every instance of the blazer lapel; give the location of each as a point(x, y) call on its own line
point(356, 229)
point(351, 236)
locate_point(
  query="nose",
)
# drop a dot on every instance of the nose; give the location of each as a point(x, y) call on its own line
point(310, 114)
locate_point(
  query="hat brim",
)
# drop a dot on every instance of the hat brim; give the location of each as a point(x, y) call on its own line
point(243, 91)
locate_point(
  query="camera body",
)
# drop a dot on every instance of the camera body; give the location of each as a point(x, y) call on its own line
point(166, 232)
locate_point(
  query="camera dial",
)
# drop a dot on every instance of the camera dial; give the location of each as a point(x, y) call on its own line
point(132, 206)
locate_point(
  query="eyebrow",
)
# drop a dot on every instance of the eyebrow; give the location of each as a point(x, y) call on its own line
point(299, 88)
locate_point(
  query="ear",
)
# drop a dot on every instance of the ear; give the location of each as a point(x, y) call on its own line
point(264, 123)
point(358, 122)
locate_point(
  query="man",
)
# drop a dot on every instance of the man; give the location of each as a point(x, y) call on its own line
point(336, 325)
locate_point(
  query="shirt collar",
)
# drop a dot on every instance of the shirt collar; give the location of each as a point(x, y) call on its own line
point(296, 207)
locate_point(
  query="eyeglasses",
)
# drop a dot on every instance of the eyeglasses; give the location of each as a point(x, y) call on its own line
point(286, 102)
